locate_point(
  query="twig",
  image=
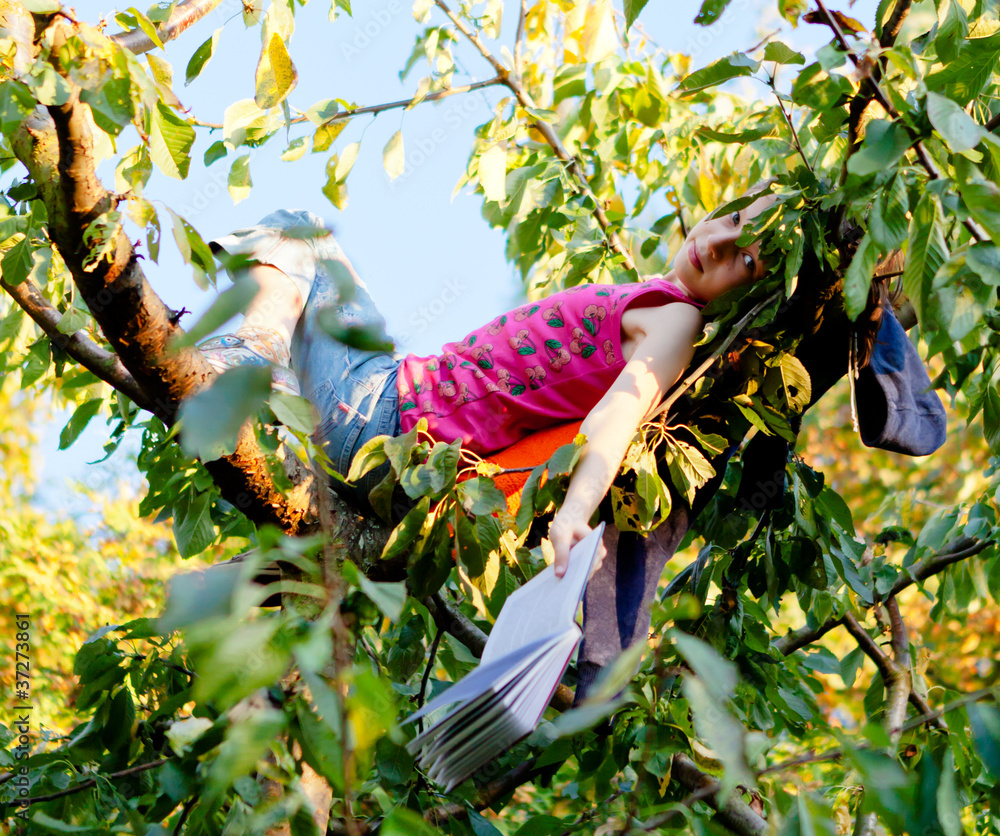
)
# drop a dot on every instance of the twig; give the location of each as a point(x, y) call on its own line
point(791, 127)
point(77, 345)
point(519, 38)
point(183, 17)
point(513, 83)
point(894, 23)
point(699, 372)
point(90, 782)
point(993, 124)
point(909, 725)
point(957, 551)
point(350, 113)
point(734, 814)
point(487, 796)
point(427, 673)
point(188, 807)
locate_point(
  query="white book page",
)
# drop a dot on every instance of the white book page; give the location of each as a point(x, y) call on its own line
point(489, 674)
point(546, 605)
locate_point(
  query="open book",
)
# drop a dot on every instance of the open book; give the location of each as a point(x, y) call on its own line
point(503, 699)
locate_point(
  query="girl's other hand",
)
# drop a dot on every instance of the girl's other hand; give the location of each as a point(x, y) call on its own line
point(564, 533)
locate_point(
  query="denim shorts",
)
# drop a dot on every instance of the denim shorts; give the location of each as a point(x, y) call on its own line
point(353, 389)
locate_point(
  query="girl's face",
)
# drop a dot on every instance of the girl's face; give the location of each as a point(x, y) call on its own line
point(709, 263)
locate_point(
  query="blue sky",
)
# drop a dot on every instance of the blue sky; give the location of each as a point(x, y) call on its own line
point(434, 267)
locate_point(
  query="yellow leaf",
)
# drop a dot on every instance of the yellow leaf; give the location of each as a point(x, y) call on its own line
point(276, 75)
point(392, 156)
point(599, 37)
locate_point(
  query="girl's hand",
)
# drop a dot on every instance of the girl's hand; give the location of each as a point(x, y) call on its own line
point(565, 532)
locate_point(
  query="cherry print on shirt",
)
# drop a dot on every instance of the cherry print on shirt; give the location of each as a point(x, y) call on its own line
point(536, 376)
point(466, 344)
point(558, 356)
point(497, 325)
point(446, 389)
point(609, 352)
point(522, 342)
point(525, 311)
point(553, 316)
point(580, 344)
point(593, 315)
point(483, 356)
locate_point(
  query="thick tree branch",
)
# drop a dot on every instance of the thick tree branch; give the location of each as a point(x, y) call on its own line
point(513, 82)
point(734, 814)
point(57, 149)
point(797, 639)
point(182, 18)
point(77, 345)
point(954, 552)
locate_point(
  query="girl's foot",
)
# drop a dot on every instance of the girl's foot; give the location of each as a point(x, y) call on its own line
point(257, 347)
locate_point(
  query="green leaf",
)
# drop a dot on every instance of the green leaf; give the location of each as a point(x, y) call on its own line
point(216, 151)
point(406, 532)
point(888, 220)
point(732, 66)
point(710, 11)
point(388, 597)
point(885, 142)
point(212, 417)
point(493, 172)
point(951, 32)
point(404, 822)
point(859, 277)
point(46, 821)
point(17, 262)
point(79, 421)
point(392, 156)
point(985, 723)
point(983, 202)
point(718, 674)
point(170, 141)
point(926, 252)
point(335, 190)
point(146, 25)
point(368, 337)
point(632, 10)
point(964, 78)
point(276, 75)
point(783, 54)
point(956, 127)
point(202, 55)
point(798, 386)
point(480, 496)
point(295, 412)
point(346, 162)
point(239, 182)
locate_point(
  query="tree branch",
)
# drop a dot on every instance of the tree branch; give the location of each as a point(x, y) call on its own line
point(797, 639)
point(876, 92)
point(77, 345)
point(184, 16)
point(734, 814)
point(90, 782)
point(955, 552)
point(57, 149)
point(519, 38)
point(513, 82)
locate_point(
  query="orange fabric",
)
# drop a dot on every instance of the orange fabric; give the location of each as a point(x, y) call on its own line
point(530, 451)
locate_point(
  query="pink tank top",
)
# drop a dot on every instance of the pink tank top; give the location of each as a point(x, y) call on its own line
point(539, 365)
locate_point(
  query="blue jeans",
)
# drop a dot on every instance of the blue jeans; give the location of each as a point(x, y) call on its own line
point(354, 390)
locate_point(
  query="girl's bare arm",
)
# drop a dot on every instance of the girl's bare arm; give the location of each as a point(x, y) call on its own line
point(663, 351)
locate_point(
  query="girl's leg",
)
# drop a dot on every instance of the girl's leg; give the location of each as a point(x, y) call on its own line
point(277, 305)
